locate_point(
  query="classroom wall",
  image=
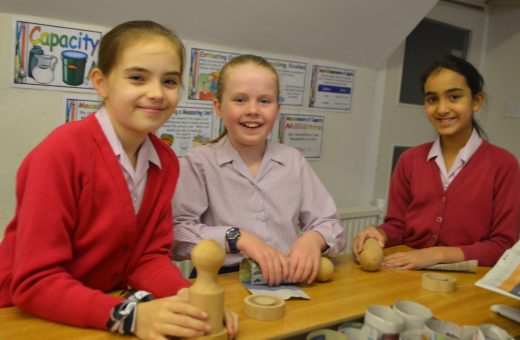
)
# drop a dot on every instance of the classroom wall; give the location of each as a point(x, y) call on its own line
point(348, 149)
point(357, 146)
point(405, 124)
point(502, 74)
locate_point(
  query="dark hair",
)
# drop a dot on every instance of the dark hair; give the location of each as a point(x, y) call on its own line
point(121, 36)
point(242, 60)
point(473, 78)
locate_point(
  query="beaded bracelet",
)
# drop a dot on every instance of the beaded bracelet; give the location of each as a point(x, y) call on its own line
point(123, 316)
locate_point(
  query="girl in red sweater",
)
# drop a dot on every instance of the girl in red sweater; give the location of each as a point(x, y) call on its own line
point(457, 198)
point(94, 203)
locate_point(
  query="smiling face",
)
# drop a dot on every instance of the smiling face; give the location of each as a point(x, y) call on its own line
point(142, 89)
point(249, 105)
point(450, 105)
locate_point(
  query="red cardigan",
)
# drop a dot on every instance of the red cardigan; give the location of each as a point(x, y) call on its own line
point(75, 234)
point(479, 212)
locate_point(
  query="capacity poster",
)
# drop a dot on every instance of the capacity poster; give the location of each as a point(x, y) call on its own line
point(303, 132)
point(50, 56)
point(187, 128)
point(78, 109)
point(331, 88)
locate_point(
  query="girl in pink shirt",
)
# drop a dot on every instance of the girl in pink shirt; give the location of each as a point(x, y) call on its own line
point(458, 198)
point(250, 195)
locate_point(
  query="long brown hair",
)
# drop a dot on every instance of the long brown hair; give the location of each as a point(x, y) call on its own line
point(123, 35)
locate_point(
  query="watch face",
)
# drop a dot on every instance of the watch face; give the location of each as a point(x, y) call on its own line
point(232, 233)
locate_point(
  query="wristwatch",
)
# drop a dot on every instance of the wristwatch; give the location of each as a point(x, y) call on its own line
point(232, 237)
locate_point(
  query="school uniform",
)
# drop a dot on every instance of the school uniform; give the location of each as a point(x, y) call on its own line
point(286, 198)
point(78, 233)
point(475, 207)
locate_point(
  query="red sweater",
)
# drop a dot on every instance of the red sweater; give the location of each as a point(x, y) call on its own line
point(75, 234)
point(479, 212)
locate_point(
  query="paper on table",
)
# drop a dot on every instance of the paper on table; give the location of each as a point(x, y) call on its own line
point(462, 266)
point(284, 292)
point(504, 277)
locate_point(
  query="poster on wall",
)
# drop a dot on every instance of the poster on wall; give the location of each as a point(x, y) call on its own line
point(331, 88)
point(53, 57)
point(187, 128)
point(303, 132)
point(205, 67)
point(292, 80)
point(78, 109)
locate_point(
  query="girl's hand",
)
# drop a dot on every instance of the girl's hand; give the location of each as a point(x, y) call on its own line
point(423, 257)
point(171, 316)
point(231, 322)
point(369, 232)
point(305, 256)
point(274, 265)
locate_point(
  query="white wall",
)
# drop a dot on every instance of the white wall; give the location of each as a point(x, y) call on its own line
point(28, 115)
point(502, 76)
point(407, 125)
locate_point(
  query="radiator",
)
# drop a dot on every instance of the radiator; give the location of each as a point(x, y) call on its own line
point(356, 218)
point(353, 219)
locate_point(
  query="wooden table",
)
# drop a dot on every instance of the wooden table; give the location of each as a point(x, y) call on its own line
point(345, 297)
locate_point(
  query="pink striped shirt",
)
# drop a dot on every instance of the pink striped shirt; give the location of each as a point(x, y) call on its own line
point(135, 178)
point(216, 191)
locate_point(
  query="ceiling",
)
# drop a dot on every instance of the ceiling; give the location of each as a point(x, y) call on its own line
point(355, 32)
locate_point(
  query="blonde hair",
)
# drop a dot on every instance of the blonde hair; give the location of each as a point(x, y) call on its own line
point(237, 61)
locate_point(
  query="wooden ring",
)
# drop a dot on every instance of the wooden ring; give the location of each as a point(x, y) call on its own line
point(264, 307)
point(439, 283)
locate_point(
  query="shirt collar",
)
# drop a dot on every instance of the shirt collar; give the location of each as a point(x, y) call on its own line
point(147, 151)
point(226, 153)
point(465, 153)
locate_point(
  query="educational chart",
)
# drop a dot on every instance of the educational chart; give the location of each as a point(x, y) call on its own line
point(292, 80)
point(331, 88)
point(205, 66)
point(187, 128)
point(57, 57)
point(303, 132)
point(78, 109)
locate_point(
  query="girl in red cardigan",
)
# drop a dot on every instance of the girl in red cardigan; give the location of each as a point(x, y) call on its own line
point(94, 203)
point(457, 198)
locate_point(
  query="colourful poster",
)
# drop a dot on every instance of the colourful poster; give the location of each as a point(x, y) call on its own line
point(303, 132)
point(187, 128)
point(78, 109)
point(205, 67)
point(331, 88)
point(57, 57)
point(292, 80)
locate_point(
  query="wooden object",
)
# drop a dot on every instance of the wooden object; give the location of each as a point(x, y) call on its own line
point(264, 307)
point(371, 256)
point(344, 298)
point(326, 270)
point(206, 293)
point(440, 283)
